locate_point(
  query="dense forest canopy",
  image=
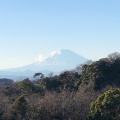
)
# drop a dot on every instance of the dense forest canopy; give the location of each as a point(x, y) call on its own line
point(5, 81)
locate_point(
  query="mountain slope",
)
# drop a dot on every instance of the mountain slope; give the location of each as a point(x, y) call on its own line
point(63, 60)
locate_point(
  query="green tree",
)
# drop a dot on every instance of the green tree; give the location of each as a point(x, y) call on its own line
point(27, 85)
point(20, 105)
point(38, 76)
point(106, 107)
point(17, 111)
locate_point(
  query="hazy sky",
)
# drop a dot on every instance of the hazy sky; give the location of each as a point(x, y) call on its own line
point(29, 28)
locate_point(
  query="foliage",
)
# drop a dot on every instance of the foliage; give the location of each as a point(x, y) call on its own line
point(19, 105)
point(114, 56)
point(6, 81)
point(38, 76)
point(101, 73)
point(66, 80)
point(49, 83)
point(28, 86)
point(17, 110)
point(107, 106)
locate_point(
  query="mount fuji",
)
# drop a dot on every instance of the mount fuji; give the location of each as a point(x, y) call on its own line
point(56, 62)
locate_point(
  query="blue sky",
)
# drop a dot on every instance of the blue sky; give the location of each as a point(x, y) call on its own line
point(29, 28)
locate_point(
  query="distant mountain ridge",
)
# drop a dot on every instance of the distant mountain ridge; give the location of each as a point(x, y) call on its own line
point(64, 60)
point(57, 62)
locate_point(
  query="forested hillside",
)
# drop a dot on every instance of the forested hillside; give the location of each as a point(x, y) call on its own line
point(89, 92)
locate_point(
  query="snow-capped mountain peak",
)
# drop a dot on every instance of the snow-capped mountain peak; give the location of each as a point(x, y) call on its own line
point(53, 53)
point(57, 61)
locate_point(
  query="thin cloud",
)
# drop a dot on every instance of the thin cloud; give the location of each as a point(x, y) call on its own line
point(41, 57)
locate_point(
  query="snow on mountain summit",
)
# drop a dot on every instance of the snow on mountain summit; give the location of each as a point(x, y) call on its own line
point(57, 61)
point(61, 60)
